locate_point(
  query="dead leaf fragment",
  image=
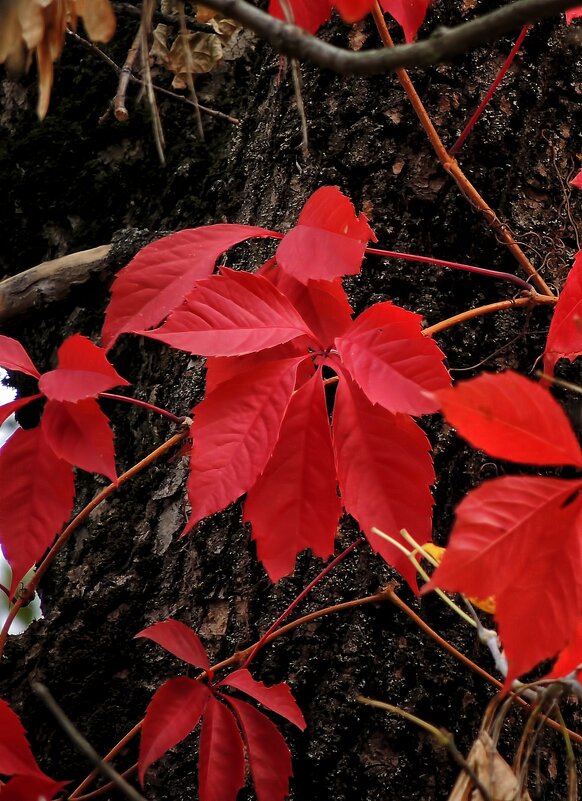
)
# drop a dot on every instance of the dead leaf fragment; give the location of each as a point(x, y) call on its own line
point(494, 773)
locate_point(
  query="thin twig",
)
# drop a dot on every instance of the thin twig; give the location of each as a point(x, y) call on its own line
point(119, 109)
point(83, 745)
point(165, 19)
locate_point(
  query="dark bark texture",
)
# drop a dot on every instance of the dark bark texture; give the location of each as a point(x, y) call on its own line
point(74, 182)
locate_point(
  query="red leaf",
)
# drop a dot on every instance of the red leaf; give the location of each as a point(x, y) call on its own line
point(307, 14)
point(7, 409)
point(223, 368)
point(36, 499)
point(230, 315)
point(15, 753)
point(269, 756)
point(384, 471)
point(511, 417)
point(235, 430)
point(322, 304)
point(83, 372)
point(565, 335)
point(161, 275)
point(570, 658)
point(80, 434)
point(409, 14)
point(277, 698)
point(178, 639)
point(577, 180)
point(354, 10)
point(519, 538)
point(172, 714)
point(328, 241)
point(294, 503)
point(572, 14)
point(14, 357)
point(221, 765)
point(389, 358)
point(30, 788)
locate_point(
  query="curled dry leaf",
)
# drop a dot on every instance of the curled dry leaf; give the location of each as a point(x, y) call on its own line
point(493, 772)
point(37, 27)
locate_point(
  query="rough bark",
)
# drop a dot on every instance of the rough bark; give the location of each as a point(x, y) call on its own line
point(73, 183)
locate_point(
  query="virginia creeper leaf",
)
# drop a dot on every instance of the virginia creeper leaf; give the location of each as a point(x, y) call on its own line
point(178, 639)
point(389, 358)
point(294, 503)
point(83, 372)
point(322, 304)
point(384, 471)
point(577, 180)
point(269, 755)
point(572, 14)
point(14, 357)
point(161, 275)
point(511, 417)
point(36, 499)
point(328, 241)
point(221, 766)
point(307, 14)
point(565, 334)
point(15, 753)
point(30, 788)
point(8, 409)
point(80, 434)
point(277, 697)
point(172, 714)
point(234, 432)
point(519, 538)
point(353, 10)
point(230, 315)
point(570, 658)
point(409, 14)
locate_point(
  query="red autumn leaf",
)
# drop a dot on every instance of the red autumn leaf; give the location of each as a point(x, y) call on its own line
point(277, 697)
point(30, 788)
point(8, 409)
point(14, 357)
point(511, 417)
point(269, 755)
point(161, 275)
point(223, 368)
point(15, 754)
point(392, 362)
point(328, 241)
point(577, 180)
point(572, 14)
point(83, 372)
point(565, 335)
point(307, 14)
point(519, 538)
point(294, 503)
point(80, 434)
point(234, 432)
point(172, 714)
point(570, 659)
point(322, 304)
point(384, 471)
point(409, 14)
point(354, 10)
point(36, 499)
point(230, 315)
point(221, 766)
point(178, 639)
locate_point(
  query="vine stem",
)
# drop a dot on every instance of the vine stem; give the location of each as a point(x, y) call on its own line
point(455, 265)
point(480, 311)
point(450, 165)
point(30, 588)
point(302, 595)
point(145, 405)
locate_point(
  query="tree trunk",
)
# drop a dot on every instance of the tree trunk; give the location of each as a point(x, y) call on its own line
point(73, 183)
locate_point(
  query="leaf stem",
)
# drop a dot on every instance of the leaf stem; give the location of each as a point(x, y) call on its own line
point(480, 311)
point(143, 404)
point(33, 583)
point(451, 166)
point(489, 94)
point(470, 268)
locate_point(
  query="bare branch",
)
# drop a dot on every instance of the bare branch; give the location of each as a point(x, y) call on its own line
point(441, 46)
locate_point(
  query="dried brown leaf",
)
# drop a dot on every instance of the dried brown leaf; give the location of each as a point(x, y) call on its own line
point(494, 773)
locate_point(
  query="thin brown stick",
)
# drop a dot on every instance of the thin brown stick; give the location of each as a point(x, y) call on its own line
point(452, 167)
point(480, 311)
point(119, 109)
point(106, 787)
